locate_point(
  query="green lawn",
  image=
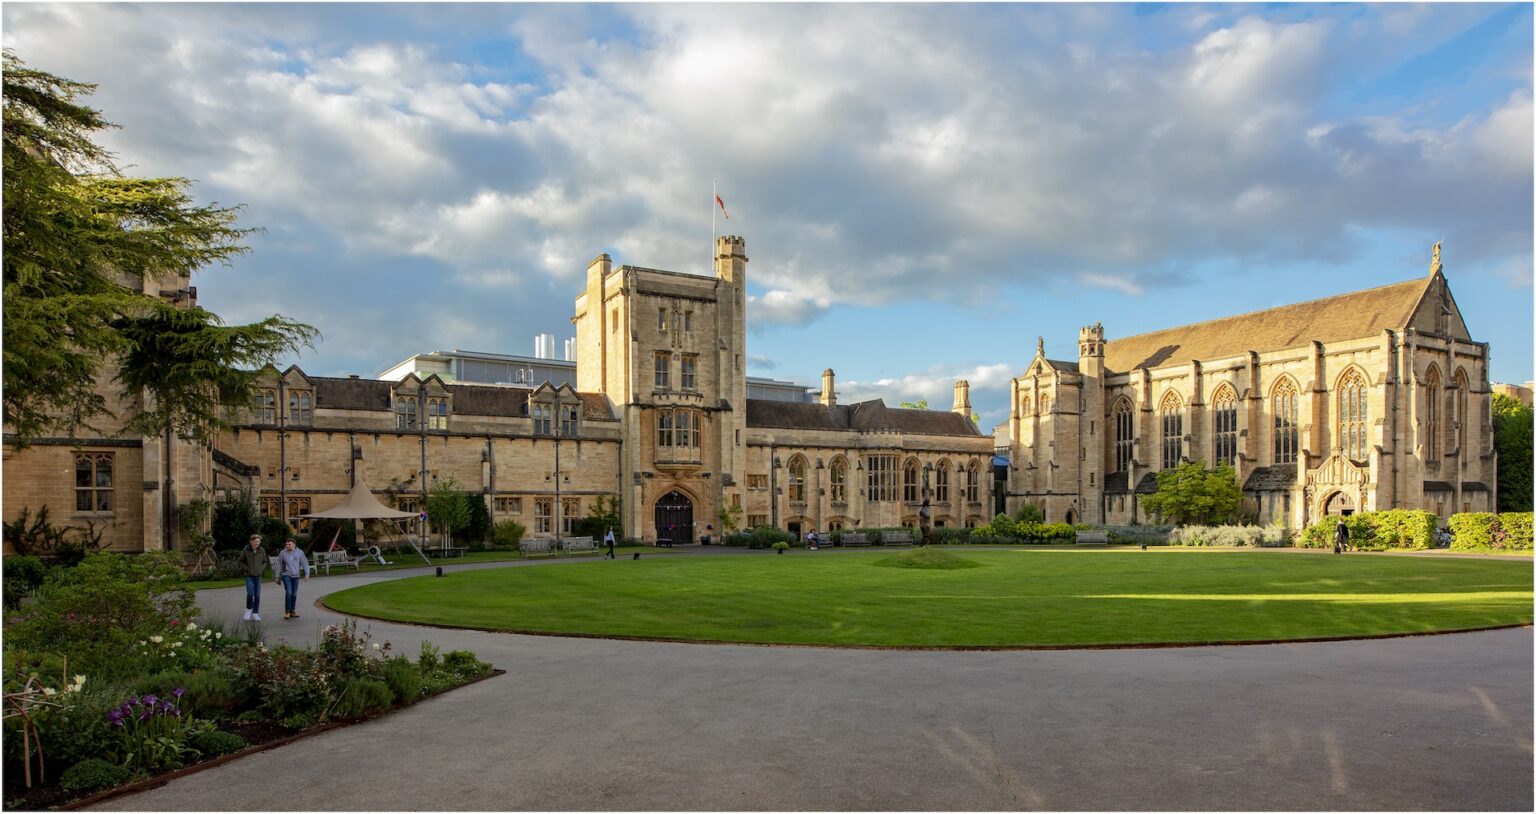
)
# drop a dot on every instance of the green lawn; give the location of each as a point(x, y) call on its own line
point(1017, 598)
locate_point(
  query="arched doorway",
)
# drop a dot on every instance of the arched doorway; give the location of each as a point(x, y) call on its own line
point(674, 519)
point(1338, 505)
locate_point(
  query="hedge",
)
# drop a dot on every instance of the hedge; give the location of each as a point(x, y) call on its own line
point(1481, 531)
point(1376, 531)
point(1255, 536)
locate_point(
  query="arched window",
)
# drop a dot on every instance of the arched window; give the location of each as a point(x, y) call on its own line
point(971, 483)
point(1125, 434)
point(838, 478)
point(941, 482)
point(1224, 422)
point(1045, 405)
point(1023, 405)
point(797, 479)
point(1458, 413)
point(1283, 405)
point(405, 414)
point(909, 481)
point(1171, 413)
point(1352, 415)
point(1432, 395)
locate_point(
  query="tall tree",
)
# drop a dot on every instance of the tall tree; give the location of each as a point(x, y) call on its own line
point(1512, 438)
point(81, 239)
point(1190, 494)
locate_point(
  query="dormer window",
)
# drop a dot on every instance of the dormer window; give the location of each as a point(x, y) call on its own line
point(405, 413)
point(301, 407)
point(437, 414)
point(542, 419)
point(265, 406)
point(570, 414)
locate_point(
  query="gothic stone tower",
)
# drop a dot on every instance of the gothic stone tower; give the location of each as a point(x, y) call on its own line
point(667, 349)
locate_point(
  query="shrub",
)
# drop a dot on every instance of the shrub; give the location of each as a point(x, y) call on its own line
point(1481, 531)
point(97, 612)
point(951, 536)
point(1139, 534)
point(235, 519)
point(213, 743)
point(285, 684)
point(362, 696)
point(78, 731)
point(781, 546)
point(343, 652)
point(477, 528)
point(464, 665)
point(1029, 513)
point(23, 576)
point(403, 678)
point(93, 774)
point(509, 533)
point(34, 535)
point(1216, 536)
point(1376, 531)
point(209, 692)
point(766, 536)
point(1517, 528)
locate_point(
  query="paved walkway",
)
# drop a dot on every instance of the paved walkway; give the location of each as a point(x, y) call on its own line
point(1436, 723)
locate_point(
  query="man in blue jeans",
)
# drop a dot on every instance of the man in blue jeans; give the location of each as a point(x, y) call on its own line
point(292, 566)
point(253, 564)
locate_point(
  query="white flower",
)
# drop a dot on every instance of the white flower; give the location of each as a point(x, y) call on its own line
point(173, 654)
point(142, 643)
point(191, 626)
point(157, 639)
point(48, 691)
point(218, 635)
point(376, 646)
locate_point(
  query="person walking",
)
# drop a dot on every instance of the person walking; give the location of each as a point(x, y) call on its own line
point(252, 564)
point(1340, 537)
point(608, 541)
point(292, 566)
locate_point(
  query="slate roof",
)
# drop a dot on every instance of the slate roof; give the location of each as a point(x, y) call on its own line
point(866, 416)
point(1278, 477)
point(1148, 484)
point(468, 399)
point(1331, 319)
point(351, 394)
point(1117, 483)
point(1438, 486)
point(1474, 486)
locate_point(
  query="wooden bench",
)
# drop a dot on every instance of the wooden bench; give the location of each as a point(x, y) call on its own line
point(854, 538)
point(531, 548)
point(444, 551)
point(326, 559)
point(578, 545)
point(896, 538)
point(1092, 537)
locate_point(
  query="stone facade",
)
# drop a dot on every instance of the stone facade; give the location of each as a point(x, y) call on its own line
point(658, 421)
point(1372, 400)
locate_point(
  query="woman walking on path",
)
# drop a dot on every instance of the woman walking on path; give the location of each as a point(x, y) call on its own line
point(253, 564)
point(292, 566)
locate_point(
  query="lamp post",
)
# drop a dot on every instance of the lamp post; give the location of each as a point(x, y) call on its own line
point(421, 428)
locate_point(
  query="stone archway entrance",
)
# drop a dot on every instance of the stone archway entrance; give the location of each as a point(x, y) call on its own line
point(1338, 504)
point(674, 519)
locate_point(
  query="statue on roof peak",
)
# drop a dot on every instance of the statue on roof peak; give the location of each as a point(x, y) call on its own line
point(1040, 345)
point(1434, 261)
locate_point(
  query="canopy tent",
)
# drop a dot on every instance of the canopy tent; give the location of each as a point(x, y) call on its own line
point(360, 504)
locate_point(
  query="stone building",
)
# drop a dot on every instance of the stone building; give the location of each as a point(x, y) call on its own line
point(1370, 400)
point(658, 420)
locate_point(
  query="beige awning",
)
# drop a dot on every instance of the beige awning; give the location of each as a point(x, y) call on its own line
point(361, 505)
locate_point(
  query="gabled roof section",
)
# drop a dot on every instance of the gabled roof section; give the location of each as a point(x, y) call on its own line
point(1331, 319)
point(352, 394)
point(866, 416)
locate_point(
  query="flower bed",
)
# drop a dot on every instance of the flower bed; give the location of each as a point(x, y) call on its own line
point(91, 704)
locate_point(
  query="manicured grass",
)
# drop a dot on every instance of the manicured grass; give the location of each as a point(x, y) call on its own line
point(408, 559)
point(1017, 598)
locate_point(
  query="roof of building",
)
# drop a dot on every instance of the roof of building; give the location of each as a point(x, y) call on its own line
point(865, 416)
point(1278, 477)
point(1331, 319)
point(468, 399)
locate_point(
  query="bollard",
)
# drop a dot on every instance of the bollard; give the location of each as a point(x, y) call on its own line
point(439, 570)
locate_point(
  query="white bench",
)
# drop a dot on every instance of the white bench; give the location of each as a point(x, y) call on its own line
point(530, 548)
point(1093, 537)
point(578, 545)
point(854, 538)
point(326, 559)
point(896, 538)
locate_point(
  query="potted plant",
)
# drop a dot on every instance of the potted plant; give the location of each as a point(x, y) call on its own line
point(781, 547)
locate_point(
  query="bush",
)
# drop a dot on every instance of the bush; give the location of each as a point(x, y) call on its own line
point(23, 576)
point(1376, 531)
point(951, 536)
point(284, 684)
point(209, 692)
point(509, 533)
point(93, 774)
point(235, 519)
point(1139, 534)
point(403, 678)
point(462, 663)
point(766, 536)
point(213, 743)
point(477, 528)
point(1219, 536)
point(363, 696)
point(78, 731)
point(781, 546)
point(1029, 513)
point(1481, 531)
point(97, 612)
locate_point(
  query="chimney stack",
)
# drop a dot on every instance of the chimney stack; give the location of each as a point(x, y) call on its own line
point(828, 391)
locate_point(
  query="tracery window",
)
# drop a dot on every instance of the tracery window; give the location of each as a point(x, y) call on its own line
point(687, 372)
point(1460, 419)
point(1125, 434)
point(1024, 406)
point(405, 412)
point(1352, 415)
point(570, 417)
point(664, 429)
point(972, 483)
point(570, 512)
point(1283, 406)
point(797, 479)
point(941, 482)
point(301, 407)
point(543, 515)
point(883, 472)
point(437, 414)
point(93, 482)
point(838, 479)
point(663, 369)
point(1171, 414)
point(1432, 395)
point(1045, 405)
point(909, 482)
point(265, 406)
point(1224, 415)
point(543, 419)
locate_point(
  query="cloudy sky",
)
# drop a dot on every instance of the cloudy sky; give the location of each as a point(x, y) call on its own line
point(923, 189)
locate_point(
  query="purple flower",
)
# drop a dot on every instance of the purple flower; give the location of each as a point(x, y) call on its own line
point(115, 717)
point(133, 700)
point(151, 699)
point(176, 711)
point(144, 716)
point(179, 692)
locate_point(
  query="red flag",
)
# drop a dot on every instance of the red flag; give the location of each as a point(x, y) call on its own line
point(722, 206)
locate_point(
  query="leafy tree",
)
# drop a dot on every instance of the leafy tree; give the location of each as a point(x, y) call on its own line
point(235, 519)
point(477, 529)
point(1029, 513)
point(603, 515)
point(1512, 440)
point(80, 242)
point(1190, 494)
point(730, 519)
point(447, 507)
